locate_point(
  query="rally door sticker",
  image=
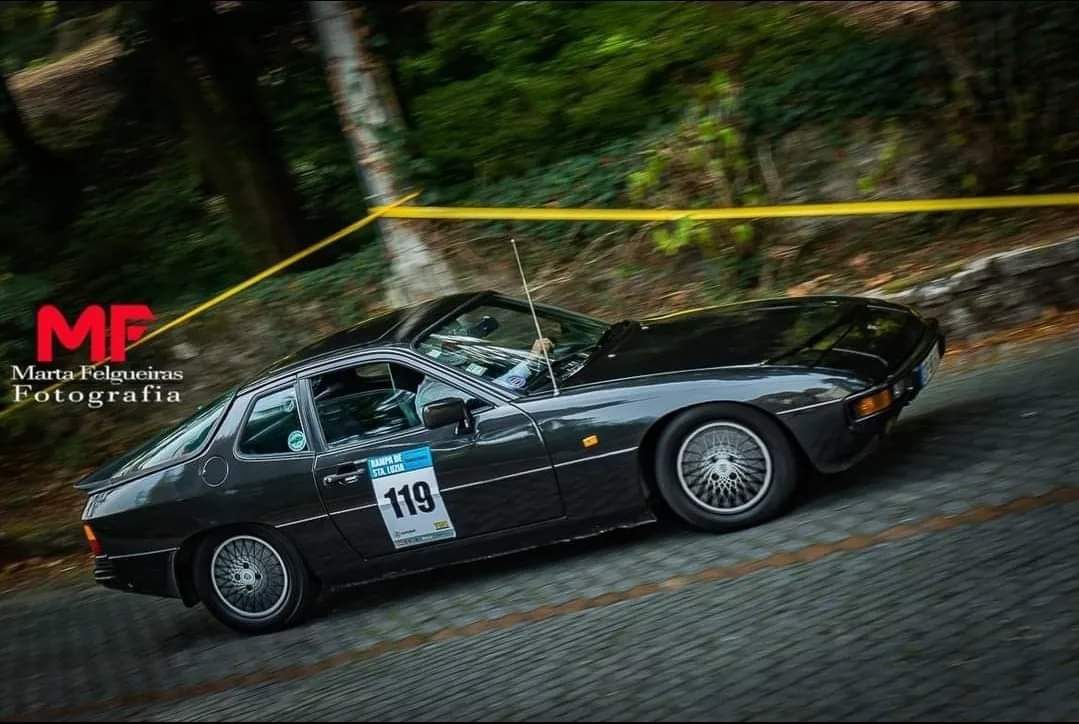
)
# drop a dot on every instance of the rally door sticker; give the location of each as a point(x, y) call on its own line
point(406, 489)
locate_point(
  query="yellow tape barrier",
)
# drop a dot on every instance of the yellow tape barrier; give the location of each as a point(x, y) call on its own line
point(508, 213)
point(851, 208)
point(233, 291)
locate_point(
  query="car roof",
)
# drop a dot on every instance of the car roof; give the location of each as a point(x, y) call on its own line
point(398, 327)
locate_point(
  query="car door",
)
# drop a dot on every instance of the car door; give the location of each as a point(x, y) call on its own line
point(389, 483)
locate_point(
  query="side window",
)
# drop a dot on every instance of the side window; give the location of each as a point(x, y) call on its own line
point(273, 426)
point(373, 399)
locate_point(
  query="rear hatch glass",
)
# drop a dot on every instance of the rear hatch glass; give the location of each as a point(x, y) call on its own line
point(174, 444)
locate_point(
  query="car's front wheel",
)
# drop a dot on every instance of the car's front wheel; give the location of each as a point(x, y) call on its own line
point(722, 467)
point(253, 580)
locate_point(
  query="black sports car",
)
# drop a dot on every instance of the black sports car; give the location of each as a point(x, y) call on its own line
point(451, 431)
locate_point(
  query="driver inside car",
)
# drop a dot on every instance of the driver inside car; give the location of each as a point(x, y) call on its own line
point(518, 376)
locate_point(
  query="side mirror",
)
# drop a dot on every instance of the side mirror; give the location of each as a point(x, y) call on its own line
point(447, 411)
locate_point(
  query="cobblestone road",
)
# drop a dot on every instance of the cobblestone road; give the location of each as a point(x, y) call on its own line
point(936, 580)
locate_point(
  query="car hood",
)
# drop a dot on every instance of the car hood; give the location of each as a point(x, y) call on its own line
point(862, 337)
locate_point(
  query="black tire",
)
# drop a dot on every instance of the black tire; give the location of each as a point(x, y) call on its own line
point(720, 496)
point(279, 588)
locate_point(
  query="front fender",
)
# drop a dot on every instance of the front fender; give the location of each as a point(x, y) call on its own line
point(621, 416)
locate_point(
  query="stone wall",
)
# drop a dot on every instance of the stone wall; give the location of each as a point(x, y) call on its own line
point(998, 291)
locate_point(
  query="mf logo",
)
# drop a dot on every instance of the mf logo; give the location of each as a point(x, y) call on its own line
point(126, 322)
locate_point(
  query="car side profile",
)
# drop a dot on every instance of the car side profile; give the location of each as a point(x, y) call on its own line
point(451, 431)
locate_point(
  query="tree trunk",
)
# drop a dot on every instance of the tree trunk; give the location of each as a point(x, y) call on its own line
point(233, 148)
point(369, 115)
point(29, 152)
point(49, 178)
point(234, 73)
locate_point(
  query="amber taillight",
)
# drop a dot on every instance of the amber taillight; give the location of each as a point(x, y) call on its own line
point(91, 538)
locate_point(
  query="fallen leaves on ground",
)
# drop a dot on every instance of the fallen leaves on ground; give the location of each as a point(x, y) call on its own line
point(993, 346)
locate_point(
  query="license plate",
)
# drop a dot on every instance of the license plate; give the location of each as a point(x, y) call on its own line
point(928, 367)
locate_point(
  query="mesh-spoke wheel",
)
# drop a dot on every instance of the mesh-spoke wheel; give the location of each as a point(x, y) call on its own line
point(249, 576)
point(252, 579)
point(724, 467)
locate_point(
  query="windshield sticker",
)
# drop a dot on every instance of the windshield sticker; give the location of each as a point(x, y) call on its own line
point(516, 381)
point(297, 441)
point(409, 500)
point(476, 369)
point(434, 352)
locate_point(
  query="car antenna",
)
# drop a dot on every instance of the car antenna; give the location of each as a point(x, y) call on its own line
point(535, 319)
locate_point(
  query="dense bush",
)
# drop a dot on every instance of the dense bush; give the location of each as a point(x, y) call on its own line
point(1014, 86)
point(506, 87)
point(813, 70)
point(25, 33)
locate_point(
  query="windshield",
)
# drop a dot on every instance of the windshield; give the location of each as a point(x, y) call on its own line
point(497, 341)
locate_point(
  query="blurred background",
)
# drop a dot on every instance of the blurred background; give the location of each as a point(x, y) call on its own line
point(160, 152)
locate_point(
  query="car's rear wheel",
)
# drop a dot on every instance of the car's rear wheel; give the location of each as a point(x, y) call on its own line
point(722, 467)
point(253, 580)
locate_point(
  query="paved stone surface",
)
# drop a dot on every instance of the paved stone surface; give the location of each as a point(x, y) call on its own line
point(971, 622)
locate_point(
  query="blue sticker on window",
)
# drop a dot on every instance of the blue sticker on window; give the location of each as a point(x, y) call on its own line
point(516, 381)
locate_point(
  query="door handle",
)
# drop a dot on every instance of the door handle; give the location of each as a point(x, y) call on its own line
point(347, 473)
point(341, 479)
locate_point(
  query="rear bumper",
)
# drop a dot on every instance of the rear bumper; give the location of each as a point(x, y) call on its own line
point(833, 441)
point(151, 573)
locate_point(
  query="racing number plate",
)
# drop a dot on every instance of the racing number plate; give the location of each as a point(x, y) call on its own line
point(929, 366)
point(406, 489)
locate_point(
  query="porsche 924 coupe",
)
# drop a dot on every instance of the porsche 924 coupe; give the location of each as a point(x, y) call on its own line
point(452, 431)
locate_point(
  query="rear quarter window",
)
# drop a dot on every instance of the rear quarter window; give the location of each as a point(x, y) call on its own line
point(273, 426)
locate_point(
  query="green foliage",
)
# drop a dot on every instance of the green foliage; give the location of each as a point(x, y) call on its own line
point(597, 178)
point(25, 33)
point(683, 233)
point(20, 296)
point(1009, 106)
point(506, 86)
point(136, 233)
point(813, 69)
point(703, 162)
point(886, 161)
point(743, 233)
point(302, 108)
point(544, 104)
point(349, 282)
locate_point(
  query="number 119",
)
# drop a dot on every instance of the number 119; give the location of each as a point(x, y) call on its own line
point(415, 496)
